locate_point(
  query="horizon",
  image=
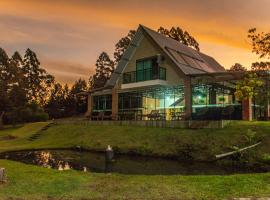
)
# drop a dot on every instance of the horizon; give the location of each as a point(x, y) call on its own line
point(68, 36)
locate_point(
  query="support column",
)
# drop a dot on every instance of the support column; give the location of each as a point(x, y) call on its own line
point(188, 97)
point(247, 109)
point(89, 105)
point(114, 104)
point(212, 96)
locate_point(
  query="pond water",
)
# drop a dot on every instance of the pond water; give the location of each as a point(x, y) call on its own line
point(124, 164)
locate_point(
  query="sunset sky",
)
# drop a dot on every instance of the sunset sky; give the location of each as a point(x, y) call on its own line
point(69, 35)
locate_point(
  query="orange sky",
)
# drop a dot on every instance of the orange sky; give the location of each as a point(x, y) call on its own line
point(68, 35)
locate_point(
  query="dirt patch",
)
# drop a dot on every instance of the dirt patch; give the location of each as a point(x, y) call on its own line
point(8, 137)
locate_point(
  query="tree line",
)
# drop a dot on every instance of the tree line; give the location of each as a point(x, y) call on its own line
point(29, 93)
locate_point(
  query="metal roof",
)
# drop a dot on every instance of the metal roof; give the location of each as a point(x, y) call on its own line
point(195, 61)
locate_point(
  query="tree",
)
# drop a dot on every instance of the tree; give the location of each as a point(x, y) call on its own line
point(104, 69)
point(55, 105)
point(122, 45)
point(4, 84)
point(36, 79)
point(260, 66)
point(237, 67)
point(181, 36)
point(80, 100)
point(260, 43)
point(248, 87)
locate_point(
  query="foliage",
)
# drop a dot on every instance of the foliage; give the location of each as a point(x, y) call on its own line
point(260, 66)
point(28, 113)
point(250, 136)
point(181, 36)
point(248, 87)
point(260, 43)
point(36, 79)
point(104, 69)
point(238, 67)
point(122, 45)
point(266, 158)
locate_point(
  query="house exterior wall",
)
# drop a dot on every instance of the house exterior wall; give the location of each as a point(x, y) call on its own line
point(148, 49)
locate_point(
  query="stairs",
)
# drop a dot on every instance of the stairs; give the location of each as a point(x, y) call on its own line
point(39, 133)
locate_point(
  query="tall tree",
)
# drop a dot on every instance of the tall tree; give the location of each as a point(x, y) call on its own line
point(181, 36)
point(81, 100)
point(37, 80)
point(104, 69)
point(237, 67)
point(122, 45)
point(4, 84)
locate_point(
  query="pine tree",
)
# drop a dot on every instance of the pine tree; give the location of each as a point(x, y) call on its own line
point(104, 69)
point(122, 45)
point(81, 100)
point(37, 80)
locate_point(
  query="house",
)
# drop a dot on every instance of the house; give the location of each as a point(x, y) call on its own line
point(160, 78)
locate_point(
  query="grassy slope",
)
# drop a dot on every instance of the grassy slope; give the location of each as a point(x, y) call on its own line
point(31, 182)
point(203, 143)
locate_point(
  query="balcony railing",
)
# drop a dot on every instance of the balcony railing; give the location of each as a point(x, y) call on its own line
point(144, 75)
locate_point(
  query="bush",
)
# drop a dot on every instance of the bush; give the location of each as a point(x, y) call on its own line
point(29, 113)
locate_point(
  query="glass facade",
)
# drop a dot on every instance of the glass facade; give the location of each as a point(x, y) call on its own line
point(164, 101)
point(102, 103)
point(215, 101)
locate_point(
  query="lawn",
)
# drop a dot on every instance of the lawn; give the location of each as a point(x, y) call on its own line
point(201, 144)
point(31, 182)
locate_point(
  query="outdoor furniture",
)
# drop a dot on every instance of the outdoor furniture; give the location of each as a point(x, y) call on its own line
point(177, 115)
point(127, 115)
point(96, 116)
point(155, 115)
point(102, 116)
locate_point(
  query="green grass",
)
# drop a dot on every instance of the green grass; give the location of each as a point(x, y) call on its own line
point(201, 144)
point(31, 182)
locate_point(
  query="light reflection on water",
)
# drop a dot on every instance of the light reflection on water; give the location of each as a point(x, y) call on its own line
point(96, 162)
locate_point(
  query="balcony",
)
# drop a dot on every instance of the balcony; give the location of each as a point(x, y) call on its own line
point(144, 75)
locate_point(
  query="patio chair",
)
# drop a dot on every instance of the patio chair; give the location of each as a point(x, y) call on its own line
point(154, 115)
point(96, 115)
point(106, 115)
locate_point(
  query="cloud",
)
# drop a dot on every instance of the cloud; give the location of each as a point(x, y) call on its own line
point(69, 34)
point(67, 72)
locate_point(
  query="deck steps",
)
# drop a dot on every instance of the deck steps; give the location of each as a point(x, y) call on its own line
point(37, 135)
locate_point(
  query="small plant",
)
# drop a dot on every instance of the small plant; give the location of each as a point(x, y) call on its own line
point(250, 136)
point(266, 158)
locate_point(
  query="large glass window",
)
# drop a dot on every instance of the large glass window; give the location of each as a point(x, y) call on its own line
point(144, 70)
point(102, 103)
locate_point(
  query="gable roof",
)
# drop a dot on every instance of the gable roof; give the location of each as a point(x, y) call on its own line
point(188, 60)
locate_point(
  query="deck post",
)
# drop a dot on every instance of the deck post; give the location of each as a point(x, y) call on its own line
point(247, 109)
point(188, 97)
point(89, 105)
point(212, 96)
point(114, 104)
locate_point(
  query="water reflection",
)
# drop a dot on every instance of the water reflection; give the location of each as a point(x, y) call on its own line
point(96, 162)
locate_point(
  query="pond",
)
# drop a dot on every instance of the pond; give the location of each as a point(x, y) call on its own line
point(124, 164)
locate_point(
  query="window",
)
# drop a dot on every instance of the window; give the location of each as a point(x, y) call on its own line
point(139, 71)
point(102, 103)
point(146, 69)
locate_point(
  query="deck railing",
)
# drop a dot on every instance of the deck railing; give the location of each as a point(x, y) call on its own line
point(144, 75)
